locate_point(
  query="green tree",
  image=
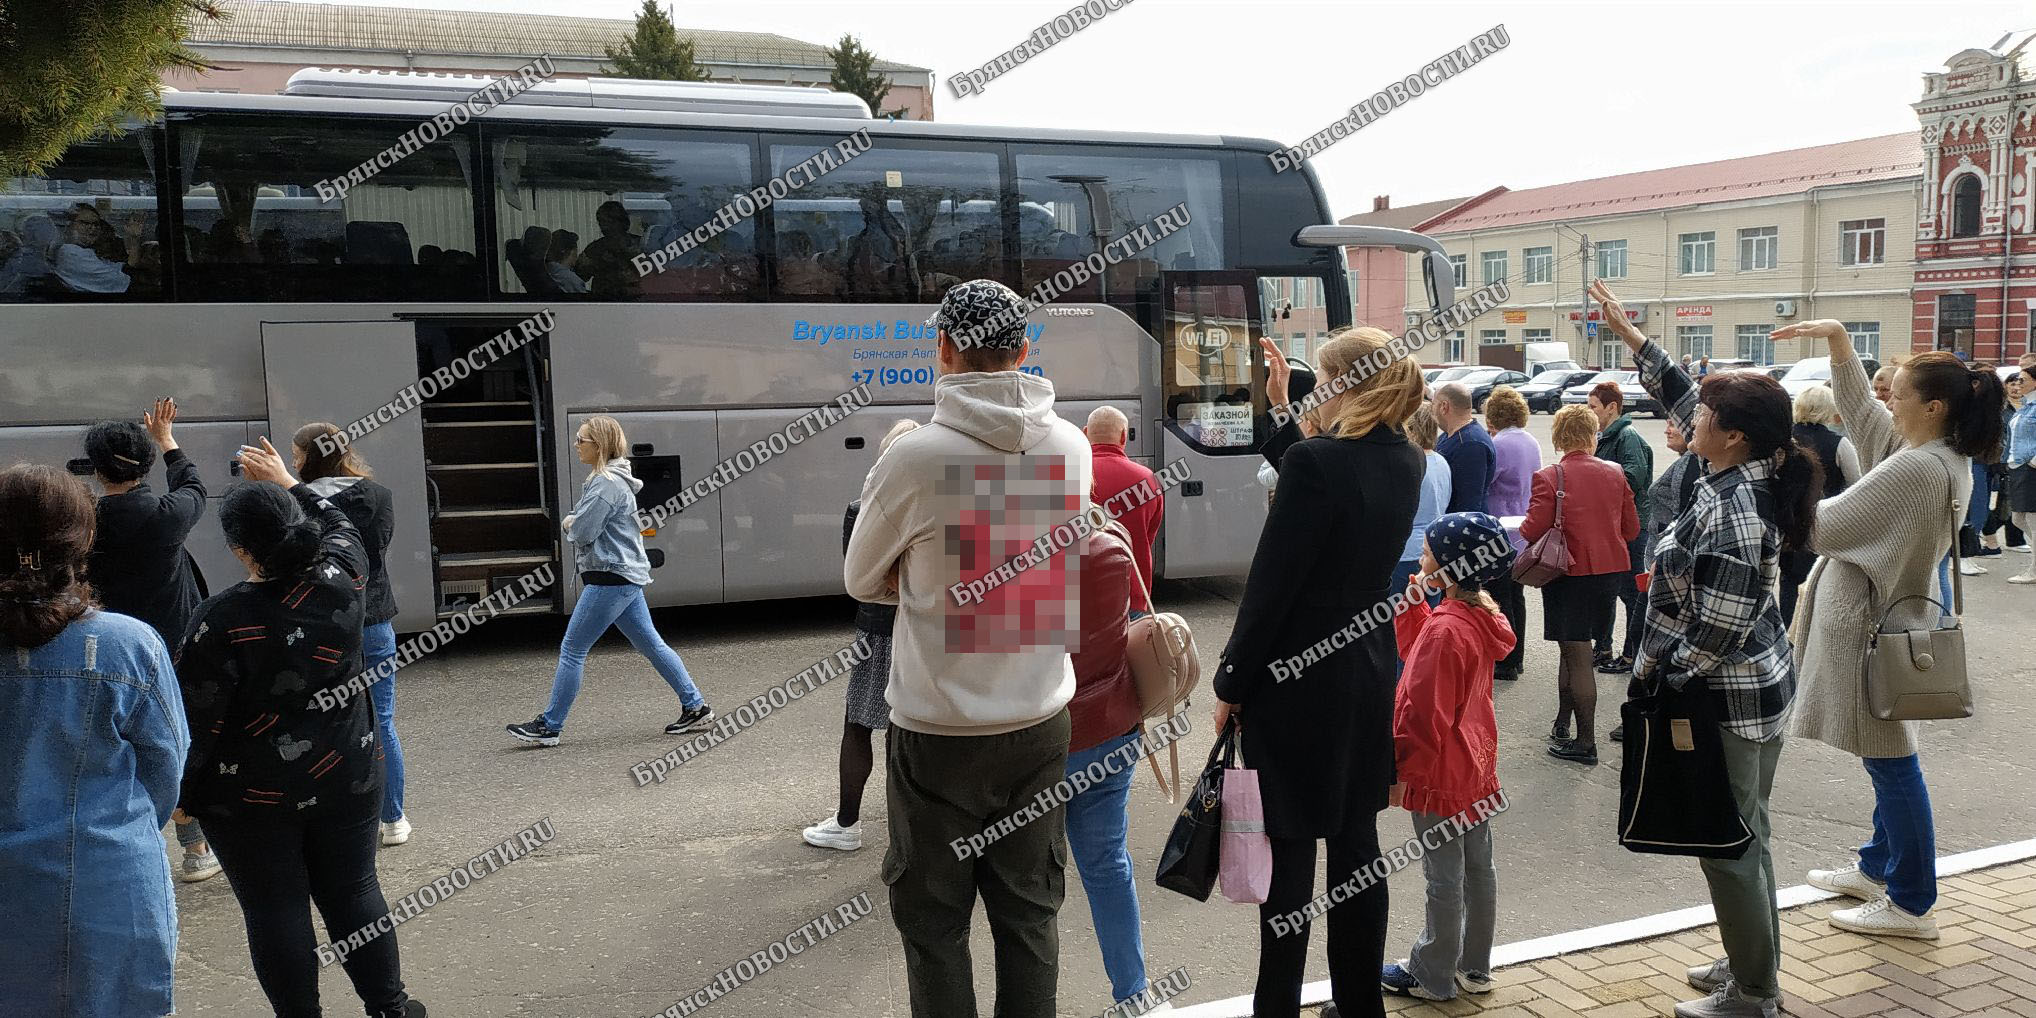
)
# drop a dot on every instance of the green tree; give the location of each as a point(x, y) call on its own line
point(855, 73)
point(74, 71)
point(654, 50)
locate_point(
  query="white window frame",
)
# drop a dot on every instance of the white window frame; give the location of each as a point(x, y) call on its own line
point(1537, 265)
point(1751, 342)
point(1870, 234)
point(1697, 248)
point(1611, 259)
point(1686, 335)
point(1452, 346)
point(1611, 354)
point(1492, 337)
point(1486, 260)
point(1759, 249)
point(1537, 335)
point(1865, 338)
point(1460, 264)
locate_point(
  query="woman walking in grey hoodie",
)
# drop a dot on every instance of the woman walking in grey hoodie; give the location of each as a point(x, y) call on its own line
point(608, 550)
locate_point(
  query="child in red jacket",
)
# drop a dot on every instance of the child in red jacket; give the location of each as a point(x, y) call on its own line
point(1446, 740)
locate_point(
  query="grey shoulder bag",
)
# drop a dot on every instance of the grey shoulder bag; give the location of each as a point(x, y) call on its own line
point(1919, 675)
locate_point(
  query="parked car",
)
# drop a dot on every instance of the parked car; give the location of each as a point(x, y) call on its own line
point(1481, 381)
point(1630, 390)
point(1729, 364)
point(1776, 371)
point(1430, 374)
point(1816, 371)
point(1543, 392)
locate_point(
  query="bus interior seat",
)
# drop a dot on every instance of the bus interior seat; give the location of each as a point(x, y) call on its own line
point(377, 243)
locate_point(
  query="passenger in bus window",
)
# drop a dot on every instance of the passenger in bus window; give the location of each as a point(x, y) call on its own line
point(800, 270)
point(877, 262)
point(605, 263)
point(430, 254)
point(30, 263)
point(558, 262)
point(90, 262)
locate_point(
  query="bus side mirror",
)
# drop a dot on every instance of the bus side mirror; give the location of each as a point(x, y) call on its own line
point(1438, 279)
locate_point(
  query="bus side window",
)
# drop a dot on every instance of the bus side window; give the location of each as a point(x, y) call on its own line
point(582, 210)
point(87, 229)
point(1074, 203)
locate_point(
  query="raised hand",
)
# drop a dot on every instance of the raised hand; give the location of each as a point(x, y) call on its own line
point(158, 422)
point(1615, 316)
point(1830, 330)
point(265, 464)
point(1277, 372)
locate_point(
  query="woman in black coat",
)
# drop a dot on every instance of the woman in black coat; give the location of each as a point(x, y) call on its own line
point(1317, 719)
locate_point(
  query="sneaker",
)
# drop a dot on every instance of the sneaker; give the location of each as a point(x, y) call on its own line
point(1849, 882)
point(1558, 732)
point(1396, 980)
point(1709, 978)
point(1727, 1002)
point(1618, 733)
point(1986, 550)
point(1575, 751)
point(1967, 567)
point(693, 720)
point(535, 731)
point(199, 866)
point(1600, 659)
point(396, 831)
point(829, 833)
point(414, 1008)
point(2025, 577)
point(1474, 982)
point(1617, 666)
point(2023, 548)
point(1883, 918)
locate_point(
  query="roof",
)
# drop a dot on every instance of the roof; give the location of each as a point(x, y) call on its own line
point(273, 23)
point(1403, 218)
point(1794, 171)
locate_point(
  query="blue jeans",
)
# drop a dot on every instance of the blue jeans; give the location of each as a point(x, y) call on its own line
point(1903, 852)
point(623, 607)
point(1463, 906)
point(1944, 584)
point(1098, 837)
point(378, 644)
point(1982, 498)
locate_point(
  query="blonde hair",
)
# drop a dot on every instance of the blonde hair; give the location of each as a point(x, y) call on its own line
point(1816, 405)
point(893, 435)
point(1885, 374)
point(1575, 429)
point(1505, 408)
point(609, 444)
point(1422, 427)
point(1386, 391)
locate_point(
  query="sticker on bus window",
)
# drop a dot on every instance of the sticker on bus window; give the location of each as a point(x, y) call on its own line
point(1217, 425)
point(893, 178)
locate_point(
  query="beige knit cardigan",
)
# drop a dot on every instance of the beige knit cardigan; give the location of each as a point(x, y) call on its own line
point(1877, 541)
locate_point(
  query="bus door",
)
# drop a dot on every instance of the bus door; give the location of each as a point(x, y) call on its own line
point(340, 372)
point(1212, 394)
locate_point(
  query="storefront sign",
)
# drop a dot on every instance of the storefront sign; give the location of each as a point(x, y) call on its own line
point(1516, 318)
point(1692, 311)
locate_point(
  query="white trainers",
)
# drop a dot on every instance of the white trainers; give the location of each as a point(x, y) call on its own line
point(1848, 881)
point(199, 866)
point(1883, 918)
point(396, 832)
point(2026, 576)
point(829, 833)
point(1474, 982)
point(2023, 548)
point(1967, 567)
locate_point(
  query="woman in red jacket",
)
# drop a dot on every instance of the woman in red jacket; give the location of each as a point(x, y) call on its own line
point(1598, 520)
point(1446, 749)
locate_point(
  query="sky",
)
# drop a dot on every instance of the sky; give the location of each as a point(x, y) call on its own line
point(1581, 91)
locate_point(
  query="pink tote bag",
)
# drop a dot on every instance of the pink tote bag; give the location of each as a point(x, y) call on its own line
point(1246, 853)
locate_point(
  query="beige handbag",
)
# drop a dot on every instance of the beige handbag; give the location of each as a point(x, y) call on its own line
point(1919, 675)
point(1165, 667)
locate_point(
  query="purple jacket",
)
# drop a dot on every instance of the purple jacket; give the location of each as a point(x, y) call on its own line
point(1519, 456)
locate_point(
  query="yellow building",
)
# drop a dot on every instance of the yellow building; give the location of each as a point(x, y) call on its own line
point(1708, 258)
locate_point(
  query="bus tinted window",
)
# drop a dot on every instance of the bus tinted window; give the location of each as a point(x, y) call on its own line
point(85, 230)
point(895, 224)
point(1072, 202)
point(255, 226)
point(575, 205)
point(1271, 208)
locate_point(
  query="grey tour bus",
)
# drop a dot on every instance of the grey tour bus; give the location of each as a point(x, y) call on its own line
point(192, 256)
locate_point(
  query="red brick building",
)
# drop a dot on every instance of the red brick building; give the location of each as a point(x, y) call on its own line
point(1976, 213)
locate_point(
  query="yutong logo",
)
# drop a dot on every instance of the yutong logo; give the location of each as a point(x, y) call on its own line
point(1070, 312)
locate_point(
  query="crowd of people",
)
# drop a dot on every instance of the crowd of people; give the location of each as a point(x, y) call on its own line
point(158, 704)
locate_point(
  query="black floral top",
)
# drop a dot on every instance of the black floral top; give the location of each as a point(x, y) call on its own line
point(250, 668)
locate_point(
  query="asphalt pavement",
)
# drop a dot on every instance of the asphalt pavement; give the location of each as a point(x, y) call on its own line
point(644, 894)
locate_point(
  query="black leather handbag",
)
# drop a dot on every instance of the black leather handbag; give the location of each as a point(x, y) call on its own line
point(1675, 797)
point(1191, 859)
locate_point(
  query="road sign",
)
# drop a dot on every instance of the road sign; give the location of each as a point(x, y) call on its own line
point(1591, 329)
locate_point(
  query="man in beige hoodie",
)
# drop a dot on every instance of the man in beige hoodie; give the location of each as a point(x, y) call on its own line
point(957, 528)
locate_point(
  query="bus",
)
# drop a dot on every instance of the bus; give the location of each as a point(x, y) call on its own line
point(194, 256)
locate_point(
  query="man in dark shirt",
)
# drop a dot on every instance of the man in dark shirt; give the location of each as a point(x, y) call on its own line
point(138, 565)
point(1466, 447)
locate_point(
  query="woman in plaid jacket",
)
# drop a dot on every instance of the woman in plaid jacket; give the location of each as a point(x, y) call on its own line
point(1713, 618)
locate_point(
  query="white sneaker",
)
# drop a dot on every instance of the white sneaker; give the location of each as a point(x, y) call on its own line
point(1848, 881)
point(829, 833)
point(2024, 577)
point(2023, 548)
point(198, 866)
point(1966, 567)
point(1474, 982)
point(396, 832)
point(1883, 918)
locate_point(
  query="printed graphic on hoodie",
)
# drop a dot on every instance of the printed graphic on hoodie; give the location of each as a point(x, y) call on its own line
point(1003, 511)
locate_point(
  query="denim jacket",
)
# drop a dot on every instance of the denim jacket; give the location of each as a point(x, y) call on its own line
point(88, 776)
point(2022, 434)
point(603, 527)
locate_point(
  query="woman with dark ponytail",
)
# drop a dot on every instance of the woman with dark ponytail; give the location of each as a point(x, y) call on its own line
point(1714, 626)
point(95, 749)
point(1880, 542)
point(285, 769)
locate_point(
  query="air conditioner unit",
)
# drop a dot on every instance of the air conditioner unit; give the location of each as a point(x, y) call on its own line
point(1784, 309)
